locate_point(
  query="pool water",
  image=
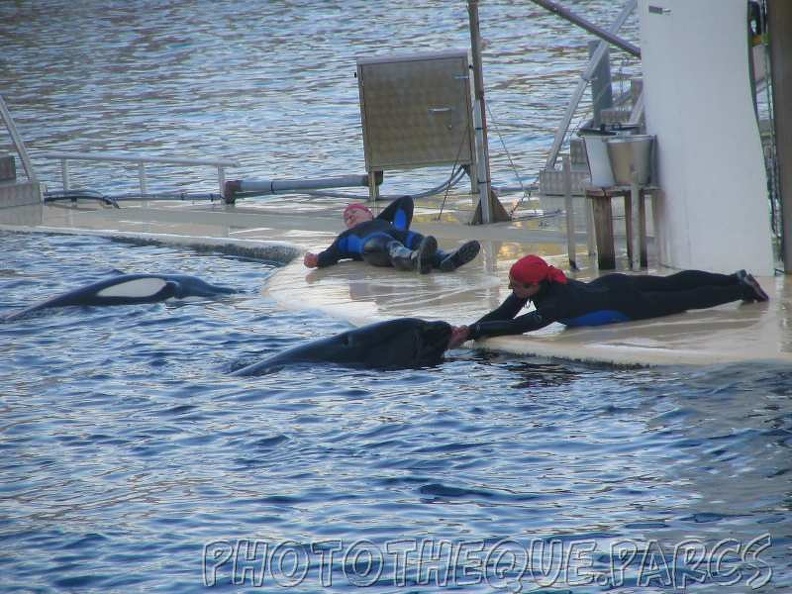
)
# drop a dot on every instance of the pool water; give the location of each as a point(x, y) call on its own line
point(133, 462)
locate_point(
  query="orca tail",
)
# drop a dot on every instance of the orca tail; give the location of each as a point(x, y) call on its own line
point(13, 316)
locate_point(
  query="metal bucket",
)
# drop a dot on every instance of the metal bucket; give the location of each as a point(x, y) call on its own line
point(631, 154)
point(597, 157)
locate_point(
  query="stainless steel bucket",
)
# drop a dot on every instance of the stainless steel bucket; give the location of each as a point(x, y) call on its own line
point(597, 157)
point(631, 154)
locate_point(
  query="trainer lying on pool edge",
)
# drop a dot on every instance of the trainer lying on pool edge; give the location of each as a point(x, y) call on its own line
point(386, 240)
point(605, 300)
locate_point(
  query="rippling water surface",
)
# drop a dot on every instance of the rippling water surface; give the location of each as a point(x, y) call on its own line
point(271, 84)
point(133, 462)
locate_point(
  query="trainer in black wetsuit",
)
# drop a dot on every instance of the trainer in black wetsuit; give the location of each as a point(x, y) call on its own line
point(605, 300)
point(386, 240)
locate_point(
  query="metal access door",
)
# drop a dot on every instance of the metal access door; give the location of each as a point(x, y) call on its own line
point(416, 111)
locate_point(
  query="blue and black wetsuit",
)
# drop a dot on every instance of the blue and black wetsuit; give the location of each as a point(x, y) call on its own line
point(392, 223)
point(612, 298)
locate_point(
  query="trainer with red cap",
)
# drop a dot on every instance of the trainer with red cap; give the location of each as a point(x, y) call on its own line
point(608, 299)
point(386, 240)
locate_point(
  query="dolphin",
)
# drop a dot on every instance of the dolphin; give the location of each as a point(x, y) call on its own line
point(394, 344)
point(127, 289)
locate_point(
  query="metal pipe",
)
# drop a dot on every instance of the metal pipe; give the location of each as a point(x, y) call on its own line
point(478, 92)
point(564, 13)
point(271, 186)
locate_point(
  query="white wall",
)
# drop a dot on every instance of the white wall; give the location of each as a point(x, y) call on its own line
point(713, 212)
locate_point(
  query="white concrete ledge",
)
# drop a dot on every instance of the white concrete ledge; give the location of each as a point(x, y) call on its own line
point(362, 294)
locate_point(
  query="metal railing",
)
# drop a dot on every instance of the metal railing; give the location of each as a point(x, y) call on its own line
point(585, 78)
point(17, 141)
point(141, 160)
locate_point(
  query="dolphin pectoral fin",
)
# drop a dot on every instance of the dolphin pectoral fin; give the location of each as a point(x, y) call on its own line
point(171, 289)
point(265, 367)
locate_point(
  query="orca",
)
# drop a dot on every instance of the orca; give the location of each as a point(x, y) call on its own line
point(394, 344)
point(128, 289)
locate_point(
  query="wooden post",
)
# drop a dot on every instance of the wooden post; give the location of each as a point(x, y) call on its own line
point(628, 226)
point(590, 244)
point(643, 257)
point(570, 213)
point(636, 197)
point(372, 186)
point(603, 227)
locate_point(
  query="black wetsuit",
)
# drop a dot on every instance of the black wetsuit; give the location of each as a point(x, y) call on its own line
point(393, 222)
point(612, 298)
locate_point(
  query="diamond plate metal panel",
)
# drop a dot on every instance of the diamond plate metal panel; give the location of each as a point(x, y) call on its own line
point(416, 110)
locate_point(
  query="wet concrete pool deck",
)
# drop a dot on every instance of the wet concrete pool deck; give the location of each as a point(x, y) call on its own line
point(362, 294)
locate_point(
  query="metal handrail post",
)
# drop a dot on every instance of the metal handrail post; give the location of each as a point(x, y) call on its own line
point(65, 173)
point(142, 177)
point(64, 157)
point(221, 178)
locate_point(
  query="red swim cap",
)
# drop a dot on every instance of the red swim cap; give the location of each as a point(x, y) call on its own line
point(357, 206)
point(532, 269)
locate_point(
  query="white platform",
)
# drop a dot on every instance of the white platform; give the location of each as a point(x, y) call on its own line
point(361, 294)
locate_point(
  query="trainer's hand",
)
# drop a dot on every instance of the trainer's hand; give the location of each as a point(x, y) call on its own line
point(311, 260)
point(459, 334)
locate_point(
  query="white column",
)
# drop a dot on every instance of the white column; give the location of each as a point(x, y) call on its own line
point(713, 212)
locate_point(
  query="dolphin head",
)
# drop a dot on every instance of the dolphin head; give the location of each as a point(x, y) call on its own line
point(434, 342)
point(192, 286)
point(403, 343)
point(394, 344)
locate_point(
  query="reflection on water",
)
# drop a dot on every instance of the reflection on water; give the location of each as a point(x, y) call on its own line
point(269, 84)
point(133, 462)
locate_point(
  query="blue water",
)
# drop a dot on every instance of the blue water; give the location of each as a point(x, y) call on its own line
point(133, 462)
point(272, 84)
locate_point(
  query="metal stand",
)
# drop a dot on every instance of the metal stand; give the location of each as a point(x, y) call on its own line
point(603, 223)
